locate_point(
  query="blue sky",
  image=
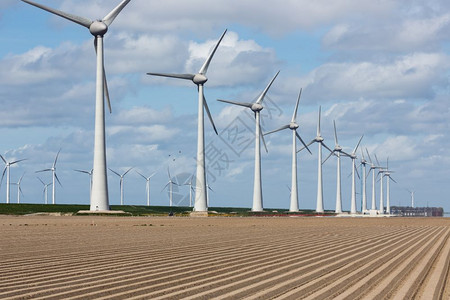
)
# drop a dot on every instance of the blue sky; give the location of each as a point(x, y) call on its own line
point(379, 68)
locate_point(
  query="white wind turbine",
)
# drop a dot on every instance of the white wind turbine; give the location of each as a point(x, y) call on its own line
point(387, 174)
point(256, 107)
point(19, 189)
point(147, 185)
point(293, 207)
point(337, 151)
point(7, 170)
point(45, 191)
point(191, 189)
point(353, 157)
point(199, 79)
point(373, 167)
point(319, 139)
point(121, 182)
point(364, 177)
point(54, 177)
point(98, 28)
point(381, 171)
point(90, 177)
point(412, 198)
point(170, 184)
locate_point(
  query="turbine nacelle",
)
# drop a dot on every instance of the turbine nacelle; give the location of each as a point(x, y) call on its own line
point(256, 107)
point(98, 28)
point(293, 126)
point(199, 79)
point(318, 139)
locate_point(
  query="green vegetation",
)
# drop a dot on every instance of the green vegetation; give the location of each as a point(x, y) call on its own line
point(135, 210)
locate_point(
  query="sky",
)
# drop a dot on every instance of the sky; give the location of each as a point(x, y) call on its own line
point(378, 68)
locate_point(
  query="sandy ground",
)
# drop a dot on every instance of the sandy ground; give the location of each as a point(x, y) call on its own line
point(228, 258)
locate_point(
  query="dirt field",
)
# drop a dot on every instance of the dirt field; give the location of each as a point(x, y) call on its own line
point(227, 258)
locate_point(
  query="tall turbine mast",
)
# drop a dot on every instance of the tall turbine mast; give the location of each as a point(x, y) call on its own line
point(199, 79)
point(54, 177)
point(381, 171)
point(147, 185)
point(256, 107)
point(353, 157)
point(364, 180)
point(7, 169)
point(293, 207)
point(98, 28)
point(121, 182)
point(373, 167)
point(387, 174)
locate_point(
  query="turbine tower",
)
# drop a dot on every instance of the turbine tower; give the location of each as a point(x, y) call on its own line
point(364, 179)
point(373, 167)
point(147, 185)
point(412, 198)
point(7, 169)
point(387, 174)
point(121, 182)
point(256, 107)
point(381, 171)
point(45, 191)
point(191, 189)
point(54, 177)
point(319, 139)
point(199, 79)
point(170, 184)
point(353, 157)
point(337, 151)
point(98, 28)
point(19, 189)
point(293, 207)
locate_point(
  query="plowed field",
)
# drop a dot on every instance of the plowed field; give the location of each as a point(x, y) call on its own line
point(87, 257)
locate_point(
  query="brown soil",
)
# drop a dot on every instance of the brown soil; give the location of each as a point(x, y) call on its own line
point(92, 257)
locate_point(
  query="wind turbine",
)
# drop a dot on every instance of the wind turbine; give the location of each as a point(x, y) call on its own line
point(147, 185)
point(293, 126)
point(7, 170)
point(54, 177)
point(387, 174)
point(337, 151)
point(256, 107)
point(208, 188)
point(373, 167)
point(191, 189)
point(90, 178)
point(319, 139)
point(19, 189)
point(199, 79)
point(170, 184)
point(45, 191)
point(121, 182)
point(98, 28)
point(381, 171)
point(412, 198)
point(353, 157)
point(364, 194)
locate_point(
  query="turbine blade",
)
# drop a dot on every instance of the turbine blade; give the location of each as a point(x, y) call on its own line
point(105, 82)
point(263, 94)
point(356, 148)
point(46, 170)
point(79, 20)
point(357, 173)
point(109, 18)
point(56, 158)
point(141, 175)
point(180, 76)
point(56, 176)
point(3, 175)
point(40, 180)
point(326, 147)
point(262, 138)
point(294, 116)
point(114, 172)
point(335, 133)
point(318, 122)
point(165, 186)
point(209, 115)
point(328, 157)
point(205, 66)
point(245, 104)
point(81, 171)
point(309, 144)
point(392, 179)
point(154, 173)
point(276, 130)
point(168, 173)
point(127, 172)
point(368, 155)
point(17, 161)
point(301, 140)
point(3, 159)
point(378, 163)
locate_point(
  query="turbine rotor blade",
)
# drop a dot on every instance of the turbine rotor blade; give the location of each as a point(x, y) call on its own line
point(318, 122)
point(4, 160)
point(205, 104)
point(109, 18)
point(392, 179)
point(180, 76)
point(245, 104)
point(114, 172)
point(127, 171)
point(294, 116)
point(81, 171)
point(262, 138)
point(276, 130)
point(263, 94)
point(56, 158)
point(335, 134)
point(46, 170)
point(205, 66)
point(326, 147)
point(141, 175)
point(40, 180)
point(105, 82)
point(3, 175)
point(56, 176)
point(332, 152)
point(17, 161)
point(356, 148)
point(378, 163)
point(301, 140)
point(368, 155)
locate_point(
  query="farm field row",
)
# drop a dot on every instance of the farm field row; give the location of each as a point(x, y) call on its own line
point(92, 257)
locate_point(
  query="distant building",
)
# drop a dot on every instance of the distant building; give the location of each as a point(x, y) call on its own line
point(406, 211)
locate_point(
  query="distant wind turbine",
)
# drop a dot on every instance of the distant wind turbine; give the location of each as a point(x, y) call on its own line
point(90, 177)
point(293, 207)
point(54, 177)
point(6, 170)
point(353, 157)
point(381, 171)
point(256, 107)
point(170, 184)
point(364, 181)
point(19, 189)
point(98, 28)
point(337, 151)
point(387, 174)
point(121, 182)
point(199, 79)
point(412, 198)
point(147, 185)
point(373, 167)
point(191, 189)
point(45, 191)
